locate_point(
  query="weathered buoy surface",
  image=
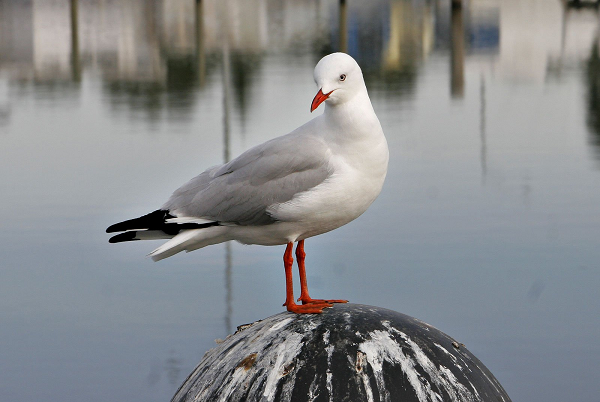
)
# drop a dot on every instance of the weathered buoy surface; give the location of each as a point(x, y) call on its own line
point(350, 352)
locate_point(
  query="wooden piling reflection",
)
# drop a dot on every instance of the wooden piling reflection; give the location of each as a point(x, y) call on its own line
point(457, 53)
point(343, 34)
point(200, 51)
point(75, 58)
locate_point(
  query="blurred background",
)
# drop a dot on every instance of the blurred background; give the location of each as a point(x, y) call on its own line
point(487, 227)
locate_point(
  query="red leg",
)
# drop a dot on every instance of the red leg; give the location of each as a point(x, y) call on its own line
point(300, 257)
point(304, 296)
point(288, 262)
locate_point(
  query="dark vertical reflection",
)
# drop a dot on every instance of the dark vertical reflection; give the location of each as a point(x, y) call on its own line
point(200, 53)
point(593, 97)
point(457, 53)
point(228, 288)
point(343, 34)
point(244, 66)
point(482, 130)
point(563, 37)
point(226, 73)
point(173, 369)
point(75, 59)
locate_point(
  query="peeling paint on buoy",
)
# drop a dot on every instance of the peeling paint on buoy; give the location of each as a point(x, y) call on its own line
point(349, 353)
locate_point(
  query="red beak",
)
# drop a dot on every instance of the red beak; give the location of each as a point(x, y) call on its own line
point(319, 98)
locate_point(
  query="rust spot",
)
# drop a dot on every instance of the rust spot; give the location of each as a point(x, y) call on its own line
point(457, 345)
point(287, 369)
point(360, 361)
point(248, 361)
point(240, 328)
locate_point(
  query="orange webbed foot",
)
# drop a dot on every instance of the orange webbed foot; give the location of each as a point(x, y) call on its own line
point(309, 300)
point(312, 308)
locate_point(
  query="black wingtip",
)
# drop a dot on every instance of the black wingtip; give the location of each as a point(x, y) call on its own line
point(121, 237)
point(111, 228)
point(152, 220)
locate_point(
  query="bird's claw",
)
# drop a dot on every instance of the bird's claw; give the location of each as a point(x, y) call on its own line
point(312, 308)
point(309, 300)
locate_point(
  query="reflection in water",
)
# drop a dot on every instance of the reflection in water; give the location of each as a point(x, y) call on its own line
point(200, 51)
point(457, 52)
point(410, 37)
point(155, 55)
point(482, 127)
point(410, 41)
point(579, 27)
point(226, 74)
point(244, 67)
point(147, 75)
point(173, 369)
point(593, 97)
point(343, 28)
point(36, 47)
point(228, 288)
point(581, 4)
point(226, 158)
point(581, 24)
point(75, 61)
point(457, 4)
point(174, 92)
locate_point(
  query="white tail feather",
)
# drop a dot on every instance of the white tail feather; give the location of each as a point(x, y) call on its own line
point(189, 240)
point(188, 219)
point(151, 235)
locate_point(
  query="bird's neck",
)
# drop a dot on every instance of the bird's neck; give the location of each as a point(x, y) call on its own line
point(354, 116)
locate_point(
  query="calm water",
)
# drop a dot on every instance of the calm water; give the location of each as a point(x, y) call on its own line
point(487, 228)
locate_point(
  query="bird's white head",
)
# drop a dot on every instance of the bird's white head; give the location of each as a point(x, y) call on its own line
point(339, 79)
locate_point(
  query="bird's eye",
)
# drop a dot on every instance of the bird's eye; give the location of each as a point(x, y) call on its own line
point(342, 77)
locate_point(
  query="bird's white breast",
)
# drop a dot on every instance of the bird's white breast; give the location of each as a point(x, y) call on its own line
point(358, 171)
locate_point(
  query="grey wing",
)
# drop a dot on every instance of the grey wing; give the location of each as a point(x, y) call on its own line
point(242, 190)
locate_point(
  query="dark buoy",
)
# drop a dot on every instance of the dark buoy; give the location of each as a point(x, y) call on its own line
point(351, 352)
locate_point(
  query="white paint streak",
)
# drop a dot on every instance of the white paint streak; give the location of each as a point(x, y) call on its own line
point(310, 326)
point(281, 324)
point(454, 359)
point(494, 382)
point(441, 376)
point(457, 390)
point(285, 352)
point(273, 364)
point(477, 396)
point(383, 347)
point(360, 366)
point(235, 381)
point(313, 389)
point(288, 386)
point(328, 374)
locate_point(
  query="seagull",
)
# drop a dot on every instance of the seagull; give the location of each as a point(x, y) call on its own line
point(319, 177)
